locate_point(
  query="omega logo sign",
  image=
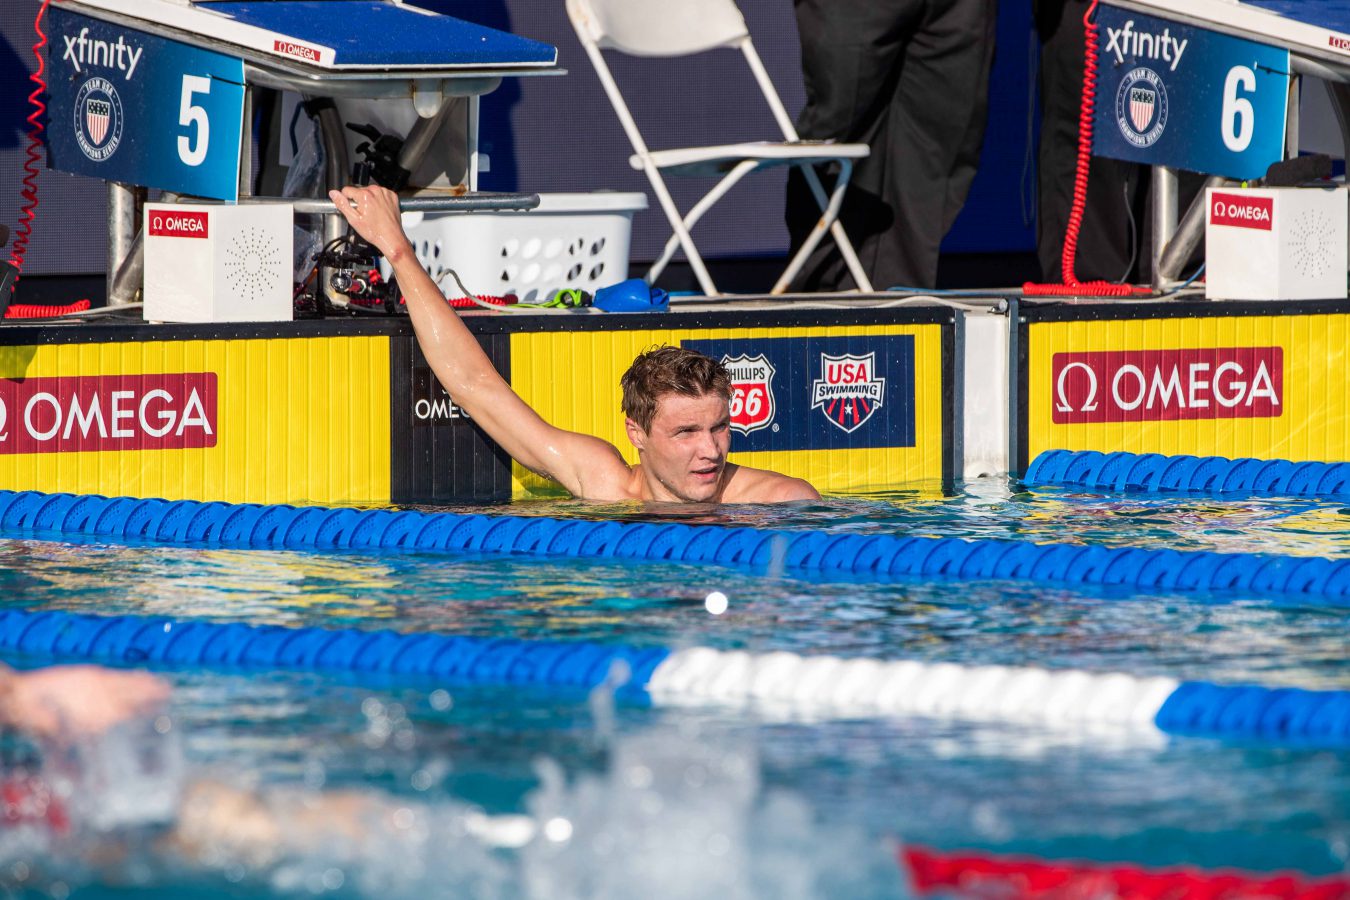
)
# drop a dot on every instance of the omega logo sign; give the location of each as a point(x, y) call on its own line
point(178, 224)
point(110, 412)
point(440, 409)
point(431, 403)
point(1163, 385)
point(290, 48)
point(1242, 211)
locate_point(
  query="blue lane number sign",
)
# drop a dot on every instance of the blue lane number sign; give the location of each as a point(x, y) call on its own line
point(1172, 95)
point(131, 107)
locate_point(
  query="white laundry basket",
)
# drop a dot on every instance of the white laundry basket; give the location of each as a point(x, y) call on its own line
point(568, 241)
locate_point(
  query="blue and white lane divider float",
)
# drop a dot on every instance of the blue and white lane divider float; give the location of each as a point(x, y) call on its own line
point(1154, 472)
point(815, 686)
point(812, 554)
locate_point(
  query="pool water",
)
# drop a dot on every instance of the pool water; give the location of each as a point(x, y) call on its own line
point(494, 792)
point(997, 508)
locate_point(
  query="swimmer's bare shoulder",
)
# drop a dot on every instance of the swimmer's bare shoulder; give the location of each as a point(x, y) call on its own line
point(747, 485)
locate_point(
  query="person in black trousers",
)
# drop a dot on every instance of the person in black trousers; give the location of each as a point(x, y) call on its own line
point(1115, 217)
point(909, 78)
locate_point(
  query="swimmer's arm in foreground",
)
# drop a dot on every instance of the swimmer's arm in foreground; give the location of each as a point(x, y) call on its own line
point(73, 702)
point(587, 466)
point(216, 825)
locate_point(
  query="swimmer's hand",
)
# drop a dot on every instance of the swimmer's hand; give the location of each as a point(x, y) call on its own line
point(73, 702)
point(373, 212)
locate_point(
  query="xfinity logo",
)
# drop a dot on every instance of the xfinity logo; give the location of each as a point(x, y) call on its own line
point(81, 51)
point(1126, 41)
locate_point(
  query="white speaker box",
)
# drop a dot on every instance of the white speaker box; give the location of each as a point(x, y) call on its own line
point(1275, 244)
point(218, 263)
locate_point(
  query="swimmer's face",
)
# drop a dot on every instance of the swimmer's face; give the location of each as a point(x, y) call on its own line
point(684, 452)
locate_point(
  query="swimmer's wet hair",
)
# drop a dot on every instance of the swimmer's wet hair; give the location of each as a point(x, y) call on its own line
point(669, 370)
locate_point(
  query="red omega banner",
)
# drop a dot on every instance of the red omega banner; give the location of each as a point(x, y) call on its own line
point(179, 224)
point(1163, 385)
point(290, 48)
point(1242, 211)
point(108, 412)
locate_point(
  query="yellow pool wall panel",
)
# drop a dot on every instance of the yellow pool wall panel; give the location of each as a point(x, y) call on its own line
point(297, 420)
point(1313, 417)
point(572, 379)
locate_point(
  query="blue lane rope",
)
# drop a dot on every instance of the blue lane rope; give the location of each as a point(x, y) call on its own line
point(1192, 708)
point(1290, 715)
point(138, 640)
point(1157, 473)
point(810, 553)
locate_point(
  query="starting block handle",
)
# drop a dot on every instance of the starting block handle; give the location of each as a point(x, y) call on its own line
point(478, 201)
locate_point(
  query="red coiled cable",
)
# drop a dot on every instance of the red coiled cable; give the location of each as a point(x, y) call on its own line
point(36, 311)
point(1072, 287)
point(494, 299)
point(31, 167)
point(375, 278)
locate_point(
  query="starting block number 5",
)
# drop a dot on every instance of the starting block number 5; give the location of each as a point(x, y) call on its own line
point(1239, 116)
point(192, 147)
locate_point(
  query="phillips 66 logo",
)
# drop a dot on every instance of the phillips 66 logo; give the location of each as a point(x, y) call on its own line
point(752, 400)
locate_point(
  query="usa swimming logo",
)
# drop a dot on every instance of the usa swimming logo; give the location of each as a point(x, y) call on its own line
point(752, 401)
point(1141, 107)
point(849, 391)
point(98, 119)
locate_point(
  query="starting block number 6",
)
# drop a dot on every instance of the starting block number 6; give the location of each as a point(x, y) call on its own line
point(1239, 117)
point(192, 147)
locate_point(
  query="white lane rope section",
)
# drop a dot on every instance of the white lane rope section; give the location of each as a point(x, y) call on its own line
point(834, 687)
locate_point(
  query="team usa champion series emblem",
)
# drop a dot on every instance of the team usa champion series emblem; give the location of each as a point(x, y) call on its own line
point(1141, 107)
point(98, 119)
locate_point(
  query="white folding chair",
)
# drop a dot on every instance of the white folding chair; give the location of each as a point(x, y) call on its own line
point(684, 27)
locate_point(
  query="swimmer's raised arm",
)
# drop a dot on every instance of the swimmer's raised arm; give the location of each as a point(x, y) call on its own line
point(676, 400)
point(587, 466)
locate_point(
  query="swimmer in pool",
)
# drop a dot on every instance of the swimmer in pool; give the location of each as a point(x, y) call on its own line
point(676, 401)
point(50, 814)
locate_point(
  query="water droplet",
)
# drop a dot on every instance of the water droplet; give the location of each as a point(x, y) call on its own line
point(558, 829)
